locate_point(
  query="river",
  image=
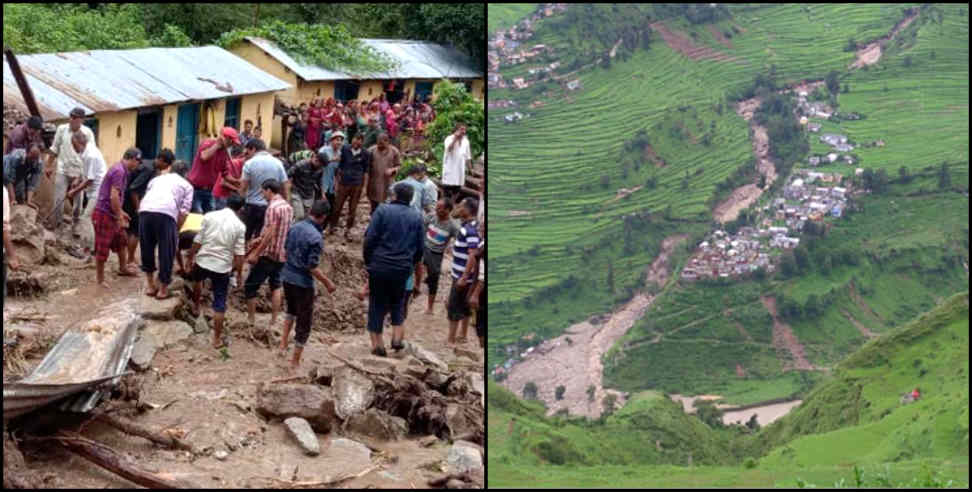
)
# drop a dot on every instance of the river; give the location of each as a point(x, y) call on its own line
point(765, 414)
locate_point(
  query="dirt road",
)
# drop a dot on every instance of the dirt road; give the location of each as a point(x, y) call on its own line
point(212, 398)
point(573, 360)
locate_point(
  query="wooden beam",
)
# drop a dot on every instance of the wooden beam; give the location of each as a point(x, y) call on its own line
point(129, 427)
point(112, 461)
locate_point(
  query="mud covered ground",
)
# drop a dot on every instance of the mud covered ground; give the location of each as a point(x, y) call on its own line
point(209, 397)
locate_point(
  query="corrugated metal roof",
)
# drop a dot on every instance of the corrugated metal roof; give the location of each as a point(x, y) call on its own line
point(113, 80)
point(416, 59)
point(83, 359)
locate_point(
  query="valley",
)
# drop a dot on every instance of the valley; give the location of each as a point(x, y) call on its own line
point(571, 304)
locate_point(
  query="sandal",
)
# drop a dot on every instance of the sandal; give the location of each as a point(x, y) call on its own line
point(166, 296)
point(397, 346)
point(125, 273)
point(380, 351)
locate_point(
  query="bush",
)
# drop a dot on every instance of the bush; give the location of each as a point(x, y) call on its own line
point(559, 392)
point(749, 463)
point(530, 391)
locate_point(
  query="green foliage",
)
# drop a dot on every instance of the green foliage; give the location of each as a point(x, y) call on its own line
point(329, 46)
point(559, 392)
point(45, 28)
point(530, 391)
point(453, 104)
point(172, 36)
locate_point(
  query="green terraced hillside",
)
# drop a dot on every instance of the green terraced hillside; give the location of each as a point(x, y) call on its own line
point(854, 418)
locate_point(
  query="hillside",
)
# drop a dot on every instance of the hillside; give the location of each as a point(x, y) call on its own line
point(639, 123)
point(561, 205)
point(854, 418)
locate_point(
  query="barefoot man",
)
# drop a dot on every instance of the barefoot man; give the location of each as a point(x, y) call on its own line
point(440, 228)
point(305, 245)
point(217, 251)
point(109, 220)
point(267, 253)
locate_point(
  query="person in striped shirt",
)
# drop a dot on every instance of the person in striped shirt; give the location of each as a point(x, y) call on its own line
point(268, 253)
point(467, 242)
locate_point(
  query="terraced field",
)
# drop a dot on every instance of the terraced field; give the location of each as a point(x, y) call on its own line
point(545, 184)
point(505, 15)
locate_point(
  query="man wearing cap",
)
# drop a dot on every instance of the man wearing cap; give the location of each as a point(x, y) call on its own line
point(70, 167)
point(25, 134)
point(211, 160)
point(352, 177)
point(332, 152)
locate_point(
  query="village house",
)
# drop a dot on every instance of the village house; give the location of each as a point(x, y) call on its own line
point(519, 83)
point(420, 65)
point(832, 157)
point(813, 127)
point(127, 102)
point(573, 85)
point(814, 160)
point(849, 159)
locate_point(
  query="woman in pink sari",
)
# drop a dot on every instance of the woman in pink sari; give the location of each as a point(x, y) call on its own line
point(313, 133)
point(391, 123)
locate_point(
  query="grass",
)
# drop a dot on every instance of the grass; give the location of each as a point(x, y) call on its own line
point(505, 15)
point(851, 420)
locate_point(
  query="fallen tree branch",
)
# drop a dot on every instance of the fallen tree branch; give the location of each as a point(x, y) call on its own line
point(327, 483)
point(112, 461)
point(129, 427)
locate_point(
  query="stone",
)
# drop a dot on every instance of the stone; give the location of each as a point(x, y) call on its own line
point(353, 392)
point(379, 364)
point(463, 458)
point(301, 430)
point(200, 326)
point(27, 235)
point(144, 351)
point(310, 402)
point(377, 424)
point(461, 421)
point(469, 354)
point(221, 455)
point(428, 441)
point(168, 333)
point(154, 309)
point(478, 385)
point(425, 356)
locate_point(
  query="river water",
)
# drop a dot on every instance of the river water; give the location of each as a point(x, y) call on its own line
point(765, 414)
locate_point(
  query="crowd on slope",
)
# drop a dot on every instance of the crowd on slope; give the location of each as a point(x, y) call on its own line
point(237, 208)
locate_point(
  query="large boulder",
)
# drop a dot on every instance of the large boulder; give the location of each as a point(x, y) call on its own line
point(352, 456)
point(27, 235)
point(307, 401)
point(353, 392)
point(462, 420)
point(302, 432)
point(464, 457)
point(377, 424)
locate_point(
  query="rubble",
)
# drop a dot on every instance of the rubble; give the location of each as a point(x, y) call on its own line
point(27, 235)
point(302, 432)
point(464, 457)
point(425, 356)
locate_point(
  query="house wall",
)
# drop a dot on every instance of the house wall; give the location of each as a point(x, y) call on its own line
point(370, 89)
point(309, 90)
point(479, 89)
point(116, 133)
point(259, 108)
point(170, 118)
point(267, 63)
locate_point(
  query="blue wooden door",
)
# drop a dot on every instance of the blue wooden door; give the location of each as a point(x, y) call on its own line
point(187, 130)
point(423, 91)
point(232, 118)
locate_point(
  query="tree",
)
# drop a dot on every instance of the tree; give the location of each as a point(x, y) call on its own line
point(944, 179)
point(590, 393)
point(708, 413)
point(833, 84)
point(826, 264)
point(752, 423)
point(851, 45)
point(812, 306)
point(454, 104)
point(559, 392)
point(802, 258)
point(610, 277)
point(903, 174)
point(907, 61)
point(762, 181)
point(530, 391)
point(881, 181)
point(788, 265)
point(609, 402)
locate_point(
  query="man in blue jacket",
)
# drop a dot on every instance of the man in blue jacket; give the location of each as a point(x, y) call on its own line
point(393, 246)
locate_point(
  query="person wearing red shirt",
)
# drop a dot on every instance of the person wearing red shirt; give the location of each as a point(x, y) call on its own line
point(211, 161)
point(228, 182)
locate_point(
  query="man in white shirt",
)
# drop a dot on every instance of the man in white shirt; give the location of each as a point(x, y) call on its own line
point(94, 171)
point(454, 161)
point(217, 251)
point(70, 167)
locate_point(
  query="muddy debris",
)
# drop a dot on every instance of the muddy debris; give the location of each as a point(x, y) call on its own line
point(27, 235)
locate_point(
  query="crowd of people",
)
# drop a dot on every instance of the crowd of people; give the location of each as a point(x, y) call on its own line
point(237, 208)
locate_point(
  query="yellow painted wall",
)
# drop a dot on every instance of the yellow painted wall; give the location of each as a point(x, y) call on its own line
point(116, 133)
point(170, 119)
point(479, 89)
point(267, 63)
point(374, 86)
point(259, 108)
point(309, 90)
